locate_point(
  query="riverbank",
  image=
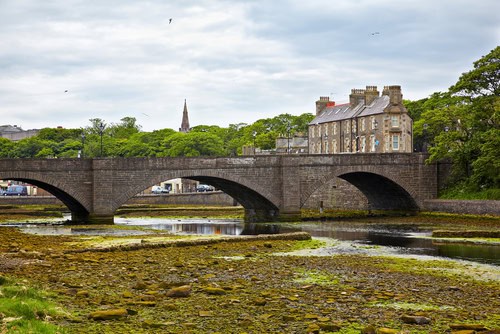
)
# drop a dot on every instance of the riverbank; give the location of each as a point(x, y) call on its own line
point(249, 286)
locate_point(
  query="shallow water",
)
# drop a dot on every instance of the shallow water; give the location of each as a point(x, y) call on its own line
point(351, 237)
point(380, 238)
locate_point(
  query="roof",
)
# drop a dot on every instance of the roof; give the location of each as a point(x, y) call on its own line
point(9, 128)
point(346, 111)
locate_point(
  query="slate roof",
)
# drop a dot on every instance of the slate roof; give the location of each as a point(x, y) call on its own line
point(346, 111)
point(10, 128)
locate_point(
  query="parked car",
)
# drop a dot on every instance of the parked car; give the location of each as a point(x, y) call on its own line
point(159, 190)
point(204, 188)
point(16, 191)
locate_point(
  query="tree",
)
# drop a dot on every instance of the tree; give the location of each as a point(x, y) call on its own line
point(6, 148)
point(125, 129)
point(193, 144)
point(463, 124)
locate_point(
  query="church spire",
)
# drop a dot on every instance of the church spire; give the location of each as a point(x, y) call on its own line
point(185, 120)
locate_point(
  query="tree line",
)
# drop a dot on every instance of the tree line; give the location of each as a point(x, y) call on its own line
point(125, 139)
point(461, 125)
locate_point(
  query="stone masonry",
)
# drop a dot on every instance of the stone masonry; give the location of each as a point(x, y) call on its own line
point(268, 187)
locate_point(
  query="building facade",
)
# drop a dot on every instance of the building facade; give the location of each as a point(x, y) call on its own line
point(369, 123)
point(15, 133)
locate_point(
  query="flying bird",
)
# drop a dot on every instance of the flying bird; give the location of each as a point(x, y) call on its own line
point(375, 33)
point(66, 91)
point(169, 21)
point(144, 114)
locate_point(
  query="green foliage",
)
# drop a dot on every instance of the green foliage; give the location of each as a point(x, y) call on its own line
point(467, 190)
point(462, 125)
point(125, 139)
point(193, 144)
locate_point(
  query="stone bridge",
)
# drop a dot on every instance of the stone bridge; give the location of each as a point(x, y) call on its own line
point(270, 188)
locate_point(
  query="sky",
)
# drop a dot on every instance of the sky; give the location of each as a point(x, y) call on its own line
point(64, 62)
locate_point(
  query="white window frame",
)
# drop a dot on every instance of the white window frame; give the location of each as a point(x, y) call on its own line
point(395, 121)
point(363, 144)
point(395, 142)
point(372, 143)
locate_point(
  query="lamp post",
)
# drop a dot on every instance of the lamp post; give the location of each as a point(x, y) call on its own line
point(254, 134)
point(101, 128)
point(83, 144)
point(288, 138)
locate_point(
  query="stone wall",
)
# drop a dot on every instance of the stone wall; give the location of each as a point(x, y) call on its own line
point(213, 198)
point(337, 194)
point(476, 207)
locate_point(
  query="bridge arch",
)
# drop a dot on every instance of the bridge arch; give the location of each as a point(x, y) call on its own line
point(259, 203)
point(383, 190)
point(69, 197)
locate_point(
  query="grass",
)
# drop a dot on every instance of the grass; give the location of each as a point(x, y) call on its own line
point(26, 310)
point(465, 192)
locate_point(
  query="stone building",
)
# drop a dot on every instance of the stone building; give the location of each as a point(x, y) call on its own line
point(15, 133)
point(369, 123)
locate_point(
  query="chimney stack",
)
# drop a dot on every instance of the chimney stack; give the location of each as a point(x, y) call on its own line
point(371, 93)
point(321, 104)
point(357, 96)
point(394, 93)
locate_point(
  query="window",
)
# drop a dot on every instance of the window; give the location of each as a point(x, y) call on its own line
point(395, 121)
point(395, 142)
point(326, 147)
point(363, 144)
point(363, 124)
point(346, 145)
point(373, 122)
point(387, 144)
point(334, 128)
point(372, 143)
point(334, 144)
point(346, 127)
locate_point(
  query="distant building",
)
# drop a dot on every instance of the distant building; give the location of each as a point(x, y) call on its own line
point(296, 144)
point(186, 184)
point(369, 123)
point(15, 133)
point(185, 120)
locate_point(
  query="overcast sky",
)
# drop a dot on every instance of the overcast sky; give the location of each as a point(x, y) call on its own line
point(64, 62)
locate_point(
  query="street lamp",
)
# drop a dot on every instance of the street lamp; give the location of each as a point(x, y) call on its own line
point(254, 134)
point(83, 144)
point(288, 138)
point(101, 128)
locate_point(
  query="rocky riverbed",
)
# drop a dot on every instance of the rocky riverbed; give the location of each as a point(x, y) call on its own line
point(250, 286)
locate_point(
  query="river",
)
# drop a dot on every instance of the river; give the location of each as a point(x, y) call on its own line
point(355, 237)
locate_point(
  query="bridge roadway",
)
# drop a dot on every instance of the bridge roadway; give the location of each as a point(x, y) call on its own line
point(270, 188)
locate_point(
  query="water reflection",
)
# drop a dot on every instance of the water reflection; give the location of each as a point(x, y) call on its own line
point(398, 239)
point(417, 243)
